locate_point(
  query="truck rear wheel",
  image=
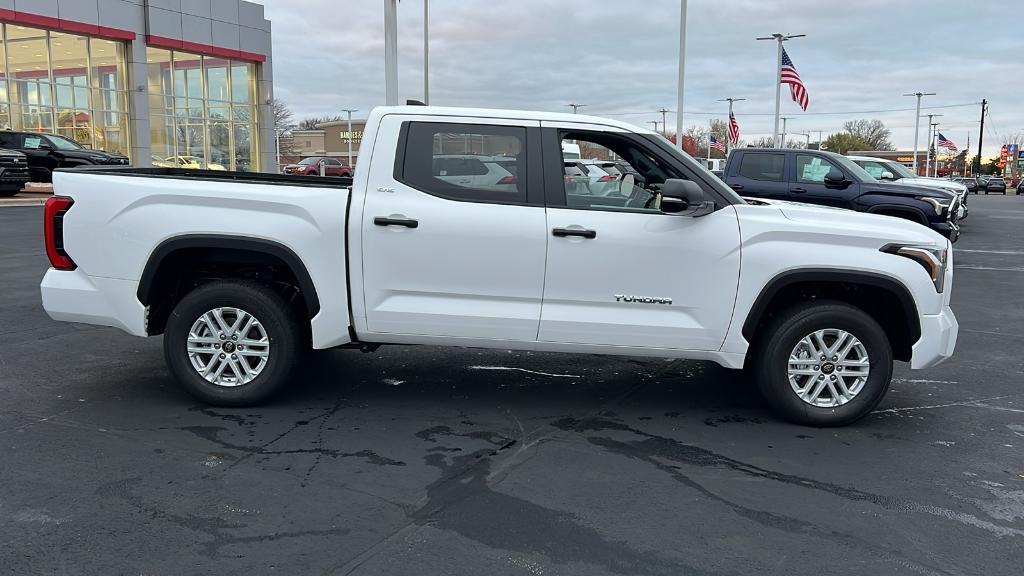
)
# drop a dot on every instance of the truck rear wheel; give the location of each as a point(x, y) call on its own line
point(232, 343)
point(823, 364)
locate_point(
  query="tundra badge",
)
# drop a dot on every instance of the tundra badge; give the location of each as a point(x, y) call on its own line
point(642, 299)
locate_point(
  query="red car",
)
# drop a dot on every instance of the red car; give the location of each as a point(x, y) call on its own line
point(311, 167)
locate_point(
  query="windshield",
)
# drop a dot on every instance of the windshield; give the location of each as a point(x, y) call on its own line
point(899, 170)
point(309, 161)
point(62, 143)
point(852, 166)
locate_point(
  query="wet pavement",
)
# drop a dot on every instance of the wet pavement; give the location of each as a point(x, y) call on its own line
point(422, 460)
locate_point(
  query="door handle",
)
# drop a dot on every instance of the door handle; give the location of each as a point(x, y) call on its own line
point(385, 221)
point(736, 186)
point(581, 232)
point(798, 190)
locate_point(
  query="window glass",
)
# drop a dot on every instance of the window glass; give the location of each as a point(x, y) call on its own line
point(216, 79)
point(759, 166)
point(589, 186)
point(242, 83)
point(874, 168)
point(333, 162)
point(812, 169)
point(466, 161)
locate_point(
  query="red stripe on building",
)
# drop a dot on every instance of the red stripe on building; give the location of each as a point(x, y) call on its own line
point(204, 49)
point(63, 25)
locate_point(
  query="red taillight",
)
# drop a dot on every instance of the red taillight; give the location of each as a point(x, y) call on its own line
point(507, 180)
point(607, 178)
point(53, 228)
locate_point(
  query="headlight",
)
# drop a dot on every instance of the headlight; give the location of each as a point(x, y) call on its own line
point(98, 158)
point(932, 258)
point(939, 204)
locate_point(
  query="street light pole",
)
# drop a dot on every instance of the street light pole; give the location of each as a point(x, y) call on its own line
point(576, 107)
point(349, 111)
point(728, 120)
point(391, 52)
point(928, 155)
point(655, 123)
point(780, 38)
point(682, 74)
point(931, 147)
point(783, 145)
point(426, 54)
point(917, 121)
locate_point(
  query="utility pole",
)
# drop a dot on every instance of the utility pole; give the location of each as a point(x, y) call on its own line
point(426, 57)
point(655, 123)
point(917, 121)
point(349, 111)
point(728, 119)
point(664, 126)
point(808, 136)
point(682, 74)
point(780, 38)
point(391, 52)
point(783, 144)
point(928, 157)
point(576, 107)
point(981, 135)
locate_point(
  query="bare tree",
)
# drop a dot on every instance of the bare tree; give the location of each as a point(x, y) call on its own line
point(284, 122)
point(872, 132)
point(312, 122)
point(762, 142)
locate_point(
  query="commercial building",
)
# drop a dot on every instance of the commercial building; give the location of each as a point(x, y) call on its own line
point(337, 138)
point(166, 82)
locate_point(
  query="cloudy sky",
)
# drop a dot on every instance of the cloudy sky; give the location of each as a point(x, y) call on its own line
point(619, 58)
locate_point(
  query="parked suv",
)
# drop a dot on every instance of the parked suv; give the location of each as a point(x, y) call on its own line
point(311, 167)
point(995, 185)
point(47, 152)
point(829, 179)
point(13, 172)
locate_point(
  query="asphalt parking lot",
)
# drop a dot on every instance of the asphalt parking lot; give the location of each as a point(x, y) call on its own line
point(419, 460)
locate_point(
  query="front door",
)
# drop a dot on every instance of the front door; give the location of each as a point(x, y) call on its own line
point(808, 183)
point(622, 273)
point(453, 244)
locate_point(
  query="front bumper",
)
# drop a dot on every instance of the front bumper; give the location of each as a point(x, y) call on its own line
point(938, 339)
point(950, 230)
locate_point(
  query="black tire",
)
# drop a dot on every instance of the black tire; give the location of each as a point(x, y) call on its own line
point(279, 320)
point(784, 332)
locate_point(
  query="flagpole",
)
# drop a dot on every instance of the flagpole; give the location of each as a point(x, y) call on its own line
point(710, 133)
point(682, 74)
point(728, 120)
point(780, 38)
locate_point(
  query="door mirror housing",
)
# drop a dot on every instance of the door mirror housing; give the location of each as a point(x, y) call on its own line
point(887, 176)
point(685, 198)
point(835, 177)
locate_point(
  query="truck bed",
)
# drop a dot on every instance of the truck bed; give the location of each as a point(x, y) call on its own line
point(218, 175)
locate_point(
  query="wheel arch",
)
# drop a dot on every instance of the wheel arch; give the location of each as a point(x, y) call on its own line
point(150, 282)
point(892, 209)
point(858, 286)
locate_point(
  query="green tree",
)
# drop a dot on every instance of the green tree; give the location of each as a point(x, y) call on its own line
point(843, 142)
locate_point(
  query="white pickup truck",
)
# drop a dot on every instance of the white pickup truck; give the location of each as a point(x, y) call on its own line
point(460, 228)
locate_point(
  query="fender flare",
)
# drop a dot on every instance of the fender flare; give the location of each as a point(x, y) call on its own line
point(790, 277)
point(922, 218)
point(276, 249)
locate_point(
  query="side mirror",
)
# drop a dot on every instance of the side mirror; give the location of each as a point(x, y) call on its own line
point(887, 176)
point(46, 147)
point(835, 177)
point(684, 197)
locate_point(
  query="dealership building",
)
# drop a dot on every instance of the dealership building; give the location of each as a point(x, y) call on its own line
point(166, 82)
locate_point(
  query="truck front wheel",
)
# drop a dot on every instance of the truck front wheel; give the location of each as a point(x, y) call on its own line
point(232, 343)
point(823, 364)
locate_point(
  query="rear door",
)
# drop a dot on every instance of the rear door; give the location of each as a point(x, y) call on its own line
point(447, 253)
point(759, 174)
point(808, 183)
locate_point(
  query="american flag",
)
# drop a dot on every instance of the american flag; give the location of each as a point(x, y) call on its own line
point(789, 75)
point(947, 143)
point(734, 130)
point(717, 144)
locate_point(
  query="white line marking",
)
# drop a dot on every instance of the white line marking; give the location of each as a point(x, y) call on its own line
point(909, 381)
point(969, 403)
point(524, 370)
point(995, 268)
point(1009, 252)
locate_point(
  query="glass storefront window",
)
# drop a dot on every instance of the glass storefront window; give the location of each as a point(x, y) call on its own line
point(202, 113)
point(64, 83)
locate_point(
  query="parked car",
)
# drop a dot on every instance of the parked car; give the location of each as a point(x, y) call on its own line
point(13, 172)
point(890, 171)
point(970, 183)
point(311, 167)
point(192, 163)
point(818, 308)
point(995, 185)
point(1020, 187)
point(829, 179)
point(475, 170)
point(47, 152)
